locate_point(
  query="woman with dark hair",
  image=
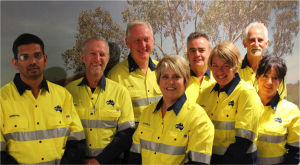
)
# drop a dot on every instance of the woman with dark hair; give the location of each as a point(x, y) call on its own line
point(279, 128)
point(234, 108)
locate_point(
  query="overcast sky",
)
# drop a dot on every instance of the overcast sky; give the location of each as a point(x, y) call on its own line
point(55, 22)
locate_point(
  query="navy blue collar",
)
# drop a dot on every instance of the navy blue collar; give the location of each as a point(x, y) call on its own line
point(229, 88)
point(102, 82)
point(176, 106)
point(206, 73)
point(133, 66)
point(274, 101)
point(245, 62)
point(21, 86)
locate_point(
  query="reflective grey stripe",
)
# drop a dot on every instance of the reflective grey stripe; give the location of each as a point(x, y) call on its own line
point(271, 138)
point(145, 101)
point(163, 148)
point(76, 135)
point(221, 150)
point(247, 134)
point(199, 157)
point(223, 125)
point(296, 144)
point(36, 135)
point(135, 148)
point(271, 160)
point(93, 152)
point(99, 123)
point(3, 146)
point(125, 125)
point(57, 161)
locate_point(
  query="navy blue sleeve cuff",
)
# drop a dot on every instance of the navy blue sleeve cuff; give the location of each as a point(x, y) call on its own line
point(134, 158)
point(121, 142)
point(292, 155)
point(236, 151)
point(7, 159)
point(74, 153)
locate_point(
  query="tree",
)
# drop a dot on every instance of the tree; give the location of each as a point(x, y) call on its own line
point(168, 19)
point(97, 23)
point(227, 20)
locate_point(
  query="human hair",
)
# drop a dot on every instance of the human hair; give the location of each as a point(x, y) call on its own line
point(268, 62)
point(176, 63)
point(195, 35)
point(255, 24)
point(83, 48)
point(25, 39)
point(227, 52)
point(137, 22)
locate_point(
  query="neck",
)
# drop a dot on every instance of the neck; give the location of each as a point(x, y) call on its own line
point(166, 104)
point(265, 99)
point(199, 72)
point(143, 65)
point(34, 84)
point(254, 61)
point(93, 81)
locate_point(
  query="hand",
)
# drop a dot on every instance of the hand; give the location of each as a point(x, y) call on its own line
point(92, 161)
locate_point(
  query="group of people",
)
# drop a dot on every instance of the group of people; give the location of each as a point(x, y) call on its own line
point(216, 109)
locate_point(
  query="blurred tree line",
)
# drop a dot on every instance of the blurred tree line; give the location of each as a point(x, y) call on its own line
point(221, 19)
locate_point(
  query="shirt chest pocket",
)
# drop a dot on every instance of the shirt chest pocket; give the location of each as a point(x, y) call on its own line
point(135, 93)
point(106, 114)
point(275, 129)
point(16, 134)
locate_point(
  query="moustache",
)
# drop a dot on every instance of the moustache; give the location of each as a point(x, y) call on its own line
point(33, 67)
point(259, 48)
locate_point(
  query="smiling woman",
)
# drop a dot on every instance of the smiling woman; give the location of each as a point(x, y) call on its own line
point(173, 130)
point(233, 107)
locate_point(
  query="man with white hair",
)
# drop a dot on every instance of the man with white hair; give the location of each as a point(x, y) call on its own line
point(256, 41)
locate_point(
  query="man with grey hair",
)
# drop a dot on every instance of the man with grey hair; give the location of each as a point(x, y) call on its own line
point(198, 51)
point(104, 106)
point(256, 41)
point(137, 72)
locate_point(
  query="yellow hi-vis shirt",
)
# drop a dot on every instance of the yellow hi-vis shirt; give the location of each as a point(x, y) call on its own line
point(247, 74)
point(36, 130)
point(184, 133)
point(113, 112)
point(142, 88)
point(194, 89)
point(234, 112)
point(279, 125)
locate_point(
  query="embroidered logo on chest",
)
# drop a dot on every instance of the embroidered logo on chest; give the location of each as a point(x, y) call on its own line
point(110, 102)
point(231, 103)
point(179, 126)
point(58, 108)
point(278, 120)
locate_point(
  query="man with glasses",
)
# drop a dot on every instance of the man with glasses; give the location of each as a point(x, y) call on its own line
point(39, 123)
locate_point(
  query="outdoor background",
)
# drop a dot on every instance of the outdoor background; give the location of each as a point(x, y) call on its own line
point(64, 25)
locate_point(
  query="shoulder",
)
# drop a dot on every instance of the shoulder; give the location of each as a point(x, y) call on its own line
point(7, 89)
point(244, 86)
point(154, 61)
point(57, 91)
point(73, 84)
point(288, 105)
point(122, 66)
point(114, 85)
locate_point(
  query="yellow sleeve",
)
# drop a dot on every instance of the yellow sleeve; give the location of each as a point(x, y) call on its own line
point(3, 141)
point(201, 137)
point(136, 145)
point(126, 119)
point(293, 137)
point(249, 111)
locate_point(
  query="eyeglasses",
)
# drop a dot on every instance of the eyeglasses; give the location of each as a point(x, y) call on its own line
point(27, 57)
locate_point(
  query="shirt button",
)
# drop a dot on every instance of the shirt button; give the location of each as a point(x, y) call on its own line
point(92, 98)
point(59, 121)
point(141, 132)
point(37, 123)
point(42, 158)
point(212, 114)
point(227, 115)
point(217, 101)
point(148, 90)
point(40, 141)
point(154, 152)
point(35, 105)
point(91, 129)
point(157, 137)
point(15, 125)
point(90, 144)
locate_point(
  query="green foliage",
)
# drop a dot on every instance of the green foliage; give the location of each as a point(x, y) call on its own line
point(91, 24)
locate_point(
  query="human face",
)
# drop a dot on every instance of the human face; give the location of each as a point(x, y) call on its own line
point(95, 58)
point(256, 42)
point(222, 72)
point(140, 43)
point(32, 68)
point(171, 85)
point(268, 83)
point(198, 52)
